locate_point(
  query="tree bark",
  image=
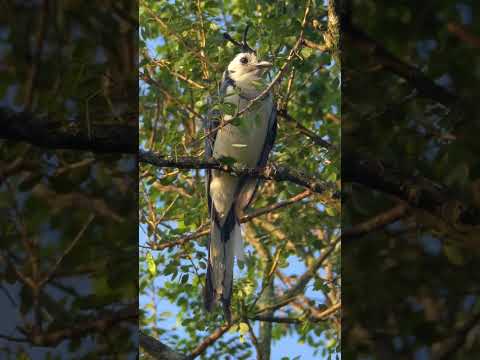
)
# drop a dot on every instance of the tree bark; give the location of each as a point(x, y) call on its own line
point(157, 349)
point(265, 333)
point(49, 133)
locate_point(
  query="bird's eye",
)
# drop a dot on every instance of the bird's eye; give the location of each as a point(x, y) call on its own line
point(244, 60)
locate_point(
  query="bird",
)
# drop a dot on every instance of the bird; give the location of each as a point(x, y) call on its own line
point(248, 141)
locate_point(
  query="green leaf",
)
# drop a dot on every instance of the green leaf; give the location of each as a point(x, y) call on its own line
point(237, 122)
point(454, 254)
point(258, 85)
point(307, 52)
point(214, 26)
point(227, 160)
point(151, 266)
point(165, 314)
point(243, 328)
point(330, 211)
point(229, 108)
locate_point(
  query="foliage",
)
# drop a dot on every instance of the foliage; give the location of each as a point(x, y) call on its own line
point(409, 79)
point(66, 216)
point(183, 55)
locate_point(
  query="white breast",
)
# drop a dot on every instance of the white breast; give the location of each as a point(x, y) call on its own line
point(243, 143)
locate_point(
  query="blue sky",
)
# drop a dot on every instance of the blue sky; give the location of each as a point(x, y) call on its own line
point(288, 346)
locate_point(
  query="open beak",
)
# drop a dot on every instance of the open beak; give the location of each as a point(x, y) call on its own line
point(262, 67)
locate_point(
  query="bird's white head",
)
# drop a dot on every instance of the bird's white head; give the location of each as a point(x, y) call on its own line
point(245, 68)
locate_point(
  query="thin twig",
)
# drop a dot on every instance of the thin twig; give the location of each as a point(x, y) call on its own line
point(316, 139)
point(302, 281)
point(162, 63)
point(21, 276)
point(376, 222)
point(67, 250)
point(146, 76)
point(312, 45)
point(287, 320)
point(254, 340)
point(203, 230)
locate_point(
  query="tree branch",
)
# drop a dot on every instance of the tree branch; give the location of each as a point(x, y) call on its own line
point(314, 137)
point(308, 275)
point(52, 134)
point(449, 348)
point(210, 340)
point(425, 86)
point(164, 64)
point(201, 231)
point(65, 252)
point(375, 222)
point(255, 341)
point(157, 349)
point(302, 281)
point(276, 206)
point(416, 191)
point(266, 173)
point(312, 45)
point(286, 320)
point(79, 329)
point(464, 34)
point(160, 351)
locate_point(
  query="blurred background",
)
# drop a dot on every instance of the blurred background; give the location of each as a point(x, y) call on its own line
point(411, 175)
point(68, 172)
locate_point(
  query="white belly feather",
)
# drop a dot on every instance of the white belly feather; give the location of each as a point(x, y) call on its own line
point(243, 143)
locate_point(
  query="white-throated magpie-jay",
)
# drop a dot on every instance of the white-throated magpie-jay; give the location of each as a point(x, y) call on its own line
point(249, 143)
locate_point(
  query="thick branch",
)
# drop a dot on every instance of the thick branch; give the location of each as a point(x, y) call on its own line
point(416, 191)
point(209, 340)
point(266, 173)
point(157, 349)
point(160, 351)
point(51, 134)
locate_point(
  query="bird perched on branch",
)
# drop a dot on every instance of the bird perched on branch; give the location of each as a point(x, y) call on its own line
point(247, 140)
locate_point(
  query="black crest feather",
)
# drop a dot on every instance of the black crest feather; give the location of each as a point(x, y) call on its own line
point(242, 45)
